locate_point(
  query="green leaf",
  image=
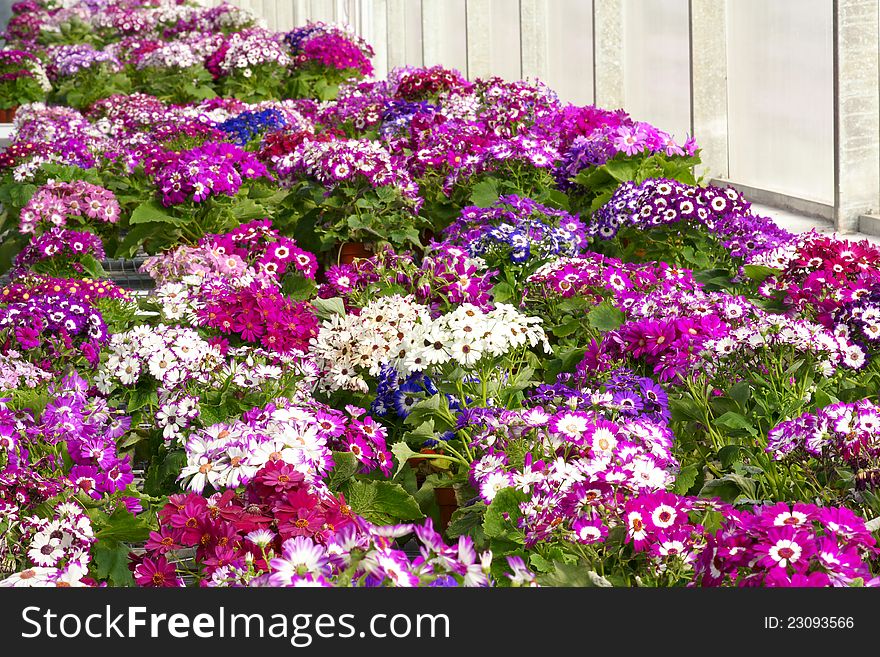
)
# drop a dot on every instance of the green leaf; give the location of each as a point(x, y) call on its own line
point(733, 420)
point(402, 453)
point(111, 563)
point(298, 287)
point(685, 479)
point(729, 488)
point(162, 475)
point(728, 455)
point(327, 307)
point(468, 521)
point(123, 526)
point(502, 292)
point(605, 317)
point(759, 273)
point(9, 248)
point(141, 397)
point(91, 266)
point(245, 209)
point(382, 502)
point(153, 212)
point(740, 393)
point(135, 238)
point(539, 563)
point(502, 515)
point(423, 431)
point(426, 410)
point(209, 414)
point(130, 440)
point(345, 466)
point(484, 193)
point(567, 328)
point(621, 170)
point(572, 575)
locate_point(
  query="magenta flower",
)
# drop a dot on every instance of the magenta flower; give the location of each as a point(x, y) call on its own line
point(156, 572)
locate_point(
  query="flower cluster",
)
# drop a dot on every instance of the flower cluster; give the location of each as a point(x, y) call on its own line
point(61, 247)
point(229, 455)
point(676, 332)
point(841, 432)
point(60, 204)
point(466, 336)
point(592, 137)
point(68, 60)
point(723, 213)
point(54, 326)
point(279, 532)
point(368, 551)
point(517, 229)
point(23, 78)
point(196, 174)
point(16, 373)
point(349, 346)
point(593, 276)
point(90, 430)
point(259, 313)
point(424, 83)
point(89, 290)
point(397, 115)
point(264, 248)
point(58, 548)
point(249, 125)
point(446, 277)
point(170, 355)
point(330, 46)
point(244, 51)
point(352, 161)
point(583, 459)
point(784, 545)
point(819, 274)
point(859, 319)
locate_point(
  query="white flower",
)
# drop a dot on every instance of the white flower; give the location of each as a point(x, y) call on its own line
point(785, 552)
point(260, 537)
point(45, 550)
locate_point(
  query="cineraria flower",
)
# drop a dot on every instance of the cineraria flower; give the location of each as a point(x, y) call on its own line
point(156, 572)
point(754, 549)
point(465, 332)
point(330, 46)
point(516, 228)
point(58, 204)
point(841, 432)
point(347, 346)
point(724, 213)
point(347, 161)
point(210, 170)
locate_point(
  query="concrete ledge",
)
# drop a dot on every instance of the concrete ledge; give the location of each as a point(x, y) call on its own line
point(801, 206)
point(870, 224)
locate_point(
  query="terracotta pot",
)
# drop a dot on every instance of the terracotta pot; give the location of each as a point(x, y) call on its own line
point(7, 115)
point(351, 251)
point(448, 503)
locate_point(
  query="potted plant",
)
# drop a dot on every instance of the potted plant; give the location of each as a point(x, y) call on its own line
point(83, 75)
point(174, 72)
point(208, 189)
point(348, 191)
point(325, 56)
point(22, 80)
point(250, 66)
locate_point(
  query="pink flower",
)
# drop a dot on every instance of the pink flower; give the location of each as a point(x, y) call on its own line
point(156, 572)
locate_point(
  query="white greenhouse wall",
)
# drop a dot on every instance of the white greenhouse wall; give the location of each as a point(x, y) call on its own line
point(781, 96)
point(657, 62)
